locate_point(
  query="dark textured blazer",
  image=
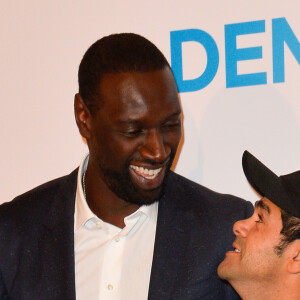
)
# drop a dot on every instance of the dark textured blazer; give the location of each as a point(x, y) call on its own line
point(194, 230)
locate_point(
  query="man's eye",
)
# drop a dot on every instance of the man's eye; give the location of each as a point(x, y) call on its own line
point(171, 125)
point(132, 133)
point(260, 219)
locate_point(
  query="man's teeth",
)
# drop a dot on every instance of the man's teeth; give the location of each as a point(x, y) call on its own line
point(148, 173)
point(237, 250)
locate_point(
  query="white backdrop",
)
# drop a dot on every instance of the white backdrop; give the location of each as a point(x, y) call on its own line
point(42, 43)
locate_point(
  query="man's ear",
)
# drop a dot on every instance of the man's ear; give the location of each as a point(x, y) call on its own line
point(293, 265)
point(82, 116)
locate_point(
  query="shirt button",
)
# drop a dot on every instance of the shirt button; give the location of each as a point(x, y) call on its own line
point(110, 287)
point(117, 239)
point(98, 225)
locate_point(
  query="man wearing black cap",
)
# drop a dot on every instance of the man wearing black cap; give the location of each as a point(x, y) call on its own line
point(265, 262)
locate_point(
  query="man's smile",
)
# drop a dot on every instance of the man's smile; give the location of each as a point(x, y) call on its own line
point(145, 172)
point(148, 177)
point(236, 249)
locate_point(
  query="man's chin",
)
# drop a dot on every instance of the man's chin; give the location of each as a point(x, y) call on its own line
point(147, 197)
point(138, 196)
point(221, 272)
point(122, 185)
point(226, 270)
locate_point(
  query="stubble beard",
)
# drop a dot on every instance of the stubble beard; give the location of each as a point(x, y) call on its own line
point(120, 183)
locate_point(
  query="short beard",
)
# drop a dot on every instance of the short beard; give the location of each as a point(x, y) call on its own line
point(122, 186)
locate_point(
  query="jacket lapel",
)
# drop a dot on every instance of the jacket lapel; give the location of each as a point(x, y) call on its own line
point(57, 244)
point(170, 243)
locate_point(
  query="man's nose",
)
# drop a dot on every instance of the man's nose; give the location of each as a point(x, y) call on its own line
point(154, 147)
point(241, 228)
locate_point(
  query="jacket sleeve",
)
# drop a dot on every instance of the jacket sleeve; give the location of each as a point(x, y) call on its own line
point(3, 292)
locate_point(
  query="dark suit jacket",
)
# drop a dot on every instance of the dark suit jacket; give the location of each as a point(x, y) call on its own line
point(194, 229)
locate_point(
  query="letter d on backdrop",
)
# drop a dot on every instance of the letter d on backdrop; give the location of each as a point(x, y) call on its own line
point(193, 35)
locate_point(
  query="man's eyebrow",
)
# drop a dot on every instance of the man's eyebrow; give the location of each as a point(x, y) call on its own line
point(134, 121)
point(262, 205)
point(129, 121)
point(175, 114)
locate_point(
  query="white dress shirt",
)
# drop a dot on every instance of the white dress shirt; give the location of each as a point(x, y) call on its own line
point(110, 262)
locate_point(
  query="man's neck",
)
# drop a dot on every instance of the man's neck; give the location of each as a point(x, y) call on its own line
point(261, 291)
point(104, 203)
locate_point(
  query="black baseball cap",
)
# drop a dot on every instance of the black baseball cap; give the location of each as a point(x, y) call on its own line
point(284, 191)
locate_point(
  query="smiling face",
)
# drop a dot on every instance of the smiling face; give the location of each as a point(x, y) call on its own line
point(254, 258)
point(134, 136)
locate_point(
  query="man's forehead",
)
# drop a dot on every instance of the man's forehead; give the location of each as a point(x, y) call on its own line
point(162, 74)
point(137, 86)
point(132, 96)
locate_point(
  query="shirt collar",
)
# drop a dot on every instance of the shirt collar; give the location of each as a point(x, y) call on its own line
point(149, 210)
point(83, 213)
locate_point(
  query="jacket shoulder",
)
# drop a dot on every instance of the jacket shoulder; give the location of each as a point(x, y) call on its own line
point(190, 194)
point(34, 201)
